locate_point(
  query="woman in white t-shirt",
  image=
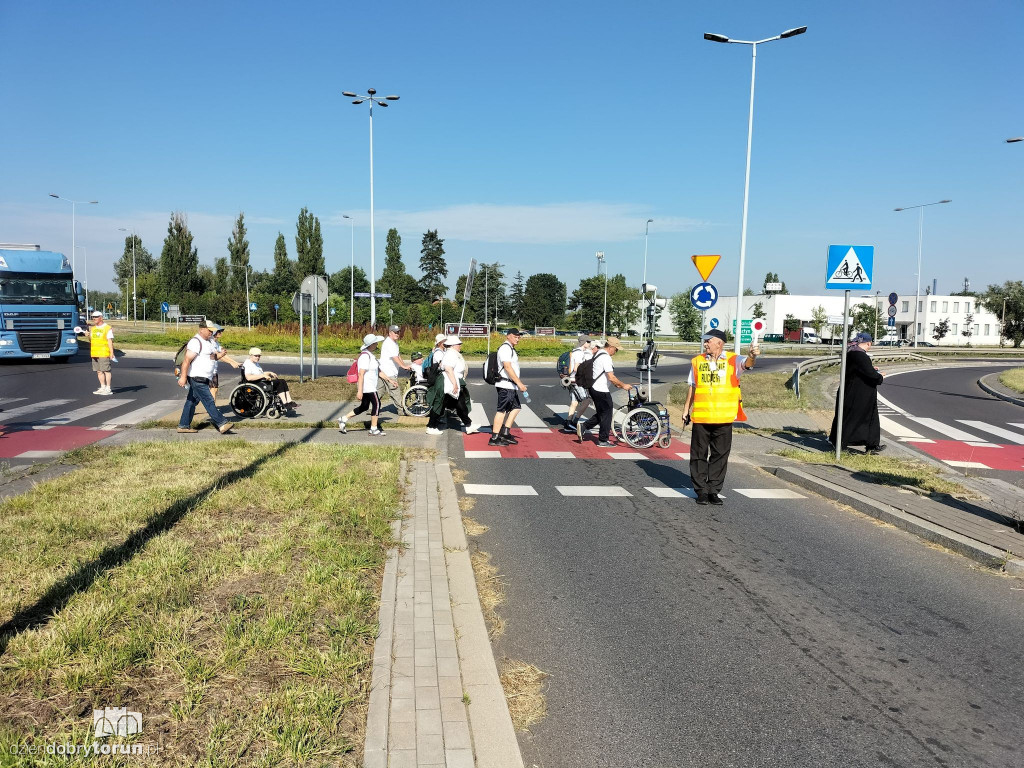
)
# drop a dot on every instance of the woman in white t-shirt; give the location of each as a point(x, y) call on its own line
point(253, 371)
point(456, 395)
point(369, 374)
point(221, 354)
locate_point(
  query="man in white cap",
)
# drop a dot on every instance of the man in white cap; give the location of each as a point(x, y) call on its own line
point(390, 361)
point(197, 371)
point(101, 350)
point(508, 386)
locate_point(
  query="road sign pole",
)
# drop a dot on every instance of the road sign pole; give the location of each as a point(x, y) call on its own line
point(302, 336)
point(314, 322)
point(841, 396)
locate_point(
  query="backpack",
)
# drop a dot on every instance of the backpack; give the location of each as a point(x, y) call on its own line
point(492, 371)
point(353, 372)
point(585, 372)
point(430, 373)
point(562, 366)
point(179, 359)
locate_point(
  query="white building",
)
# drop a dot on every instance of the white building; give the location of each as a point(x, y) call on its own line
point(964, 313)
point(777, 306)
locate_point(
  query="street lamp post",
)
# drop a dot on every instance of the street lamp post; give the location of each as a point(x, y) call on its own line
point(604, 314)
point(73, 204)
point(746, 178)
point(135, 305)
point(352, 275)
point(646, 228)
point(373, 99)
point(248, 305)
point(920, 243)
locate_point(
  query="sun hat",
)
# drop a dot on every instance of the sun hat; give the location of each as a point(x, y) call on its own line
point(394, 329)
point(211, 325)
point(715, 334)
point(439, 338)
point(583, 339)
point(613, 342)
point(96, 313)
point(451, 341)
point(255, 352)
point(369, 340)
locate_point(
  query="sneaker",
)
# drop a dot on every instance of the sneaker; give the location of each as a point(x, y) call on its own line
point(875, 450)
point(99, 391)
point(509, 440)
point(342, 426)
point(434, 431)
point(497, 441)
point(579, 430)
point(605, 444)
point(377, 431)
point(187, 430)
point(715, 499)
point(106, 391)
point(472, 430)
point(568, 429)
point(224, 428)
point(702, 499)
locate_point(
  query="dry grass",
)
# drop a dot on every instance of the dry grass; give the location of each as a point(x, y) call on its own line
point(230, 597)
point(491, 591)
point(764, 391)
point(524, 686)
point(329, 388)
point(1013, 379)
point(473, 528)
point(466, 503)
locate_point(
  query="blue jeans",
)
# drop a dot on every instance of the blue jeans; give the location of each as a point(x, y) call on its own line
point(196, 392)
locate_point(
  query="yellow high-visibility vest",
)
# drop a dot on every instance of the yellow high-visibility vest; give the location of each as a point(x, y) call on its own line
point(716, 397)
point(99, 344)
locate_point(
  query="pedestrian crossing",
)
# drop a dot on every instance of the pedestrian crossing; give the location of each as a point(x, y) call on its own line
point(617, 491)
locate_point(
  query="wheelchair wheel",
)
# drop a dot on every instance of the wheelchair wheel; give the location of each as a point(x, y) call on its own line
point(415, 401)
point(641, 427)
point(665, 441)
point(273, 412)
point(248, 401)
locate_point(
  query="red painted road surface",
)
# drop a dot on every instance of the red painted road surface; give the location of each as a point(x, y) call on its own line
point(531, 443)
point(1007, 457)
point(13, 443)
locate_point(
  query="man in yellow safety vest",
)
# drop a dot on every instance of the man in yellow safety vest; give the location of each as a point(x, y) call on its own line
point(713, 403)
point(101, 350)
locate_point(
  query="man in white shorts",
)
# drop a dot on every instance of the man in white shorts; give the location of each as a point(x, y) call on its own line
point(390, 361)
point(508, 386)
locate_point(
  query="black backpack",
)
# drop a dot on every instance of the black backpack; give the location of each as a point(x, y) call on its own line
point(562, 366)
point(585, 372)
point(430, 371)
point(492, 371)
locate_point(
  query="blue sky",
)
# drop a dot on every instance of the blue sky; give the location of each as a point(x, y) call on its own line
point(533, 134)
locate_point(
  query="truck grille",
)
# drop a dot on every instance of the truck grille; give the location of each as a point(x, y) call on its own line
point(39, 341)
point(37, 321)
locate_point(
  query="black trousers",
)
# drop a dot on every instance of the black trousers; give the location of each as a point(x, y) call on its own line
point(709, 456)
point(459, 406)
point(603, 417)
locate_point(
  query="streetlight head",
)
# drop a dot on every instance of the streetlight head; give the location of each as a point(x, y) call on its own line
point(945, 201)
point(380, 103)
point(358, 101)
point(345, 216)
point(715, 38)
point(897, 209)
point(392, 98)
point(371, 91)
point(793, 32)
point(650, 221)
point(1015, 140)
point(94, 202)
point(349, 94)
point(53, 195)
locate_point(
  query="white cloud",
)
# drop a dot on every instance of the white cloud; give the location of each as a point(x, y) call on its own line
point(532, 224)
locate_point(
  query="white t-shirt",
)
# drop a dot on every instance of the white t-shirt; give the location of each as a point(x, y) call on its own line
point(251, 368)
point(417, 369)
point(457, 363)
point(368, 363)
point(722, 371)
point(506, 354)
point(602, 367)
point(576, 357)
point(389, 351)
point(203, 366)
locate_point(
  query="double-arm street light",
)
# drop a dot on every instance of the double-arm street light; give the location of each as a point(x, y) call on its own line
point(73, 204)
point(920, 242)
point(746, 179)
point(372, 98)
point(647, 227)
point(352, 275)
point(135, 304)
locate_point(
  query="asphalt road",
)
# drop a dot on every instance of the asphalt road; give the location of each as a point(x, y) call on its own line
point(768, 632)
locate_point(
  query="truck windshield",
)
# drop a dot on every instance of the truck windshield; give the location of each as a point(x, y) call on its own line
point(26, 288)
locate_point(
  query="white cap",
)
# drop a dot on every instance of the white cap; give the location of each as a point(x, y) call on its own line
point(451, 341)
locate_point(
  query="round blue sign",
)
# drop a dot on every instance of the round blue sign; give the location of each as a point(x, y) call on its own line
point(893, 298)
point(704, 296)
point(277, 306)
point(713, 322)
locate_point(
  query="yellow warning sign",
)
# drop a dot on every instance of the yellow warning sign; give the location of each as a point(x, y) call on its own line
point(705, 265)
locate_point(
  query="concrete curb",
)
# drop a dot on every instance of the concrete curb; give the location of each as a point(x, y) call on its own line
point(991, 389)
point(990, 557)
point(494, 738)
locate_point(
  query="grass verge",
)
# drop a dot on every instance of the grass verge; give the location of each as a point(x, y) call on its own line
point(763, 391)
point(886, 470)
point(1013, 379)
point(228, 596)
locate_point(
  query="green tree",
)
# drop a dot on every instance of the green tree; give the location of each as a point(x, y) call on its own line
point(488, 288)
point(433, 266)
point(179, 261)
point(686, 320)
point(309, 246)
point(867, 318)
point(941, 329)
point(773, 277)
point(392, 279)
point(282, 281)
point(791, 323)
point(238, 256)
point(221, 275)
point(1006, 302)
point(587, 301)
point(968, 330)
point(143, 260)
point(758, 311)
point(543, 301)
point(818, 319)
point(516, 299)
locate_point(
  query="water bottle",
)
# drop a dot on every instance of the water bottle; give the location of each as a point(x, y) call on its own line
point(526, 396)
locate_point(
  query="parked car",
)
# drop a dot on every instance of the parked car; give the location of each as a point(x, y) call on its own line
point(772, 338)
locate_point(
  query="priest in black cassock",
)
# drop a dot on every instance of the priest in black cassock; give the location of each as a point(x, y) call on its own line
point(860, 405)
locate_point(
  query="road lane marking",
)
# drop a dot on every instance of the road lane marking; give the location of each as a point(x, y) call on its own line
point(483, 454)
point(556, 455)
point(684, 456)
point(1013, 437)
point(897, 430)
point(949, 431)
point(527, 418)
point(769, 493)
point(38, 454)
point(561, 411)
point(633, 455)
point(592, 490)
point(82, 413)
point(673, 493)
point(477, 489)
point(24, 410)
point(153, 410)
point(966, 464)
point(478, 416)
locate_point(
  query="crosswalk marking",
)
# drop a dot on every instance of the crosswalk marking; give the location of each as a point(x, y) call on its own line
point(769, 493)
point(592, 490)
point(6, 400)
point(82, 413)
point(151, 411)
point(897, 430)
point(38, 454)
point(633, 455)
point(966, 464)
point(478, 415)
point(560, 410)
point(684, 456)
point(555, 455)
point(483, 454)
point(527, 418)
point(673, 493)
point(1005, 434)
point(24, 410)
point(479, 489)
point(1017, 424)
point(949, 431)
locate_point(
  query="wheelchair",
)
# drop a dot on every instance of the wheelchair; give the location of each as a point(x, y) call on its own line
point(252, 399)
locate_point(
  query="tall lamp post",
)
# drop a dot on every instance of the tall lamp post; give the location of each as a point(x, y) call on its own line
point(646, 230)
point(73, 204)
point(135, 304)
point(372, 98)
point(352, 275)
point(746, 179)
point(920, 242)
point(604, 315)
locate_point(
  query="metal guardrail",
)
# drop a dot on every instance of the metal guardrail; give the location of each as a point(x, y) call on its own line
point(806, 366)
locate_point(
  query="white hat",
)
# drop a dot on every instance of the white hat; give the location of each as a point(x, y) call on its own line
point(451, 341)
point(255, 351)
point(439, 338)
point(369, 340)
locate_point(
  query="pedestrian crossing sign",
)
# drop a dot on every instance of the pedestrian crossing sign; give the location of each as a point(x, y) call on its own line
point(849, 267)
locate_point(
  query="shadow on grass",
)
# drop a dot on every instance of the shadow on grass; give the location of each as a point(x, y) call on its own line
point(59, 595)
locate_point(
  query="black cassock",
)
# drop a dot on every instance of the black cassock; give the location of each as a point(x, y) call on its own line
point(860, 406)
